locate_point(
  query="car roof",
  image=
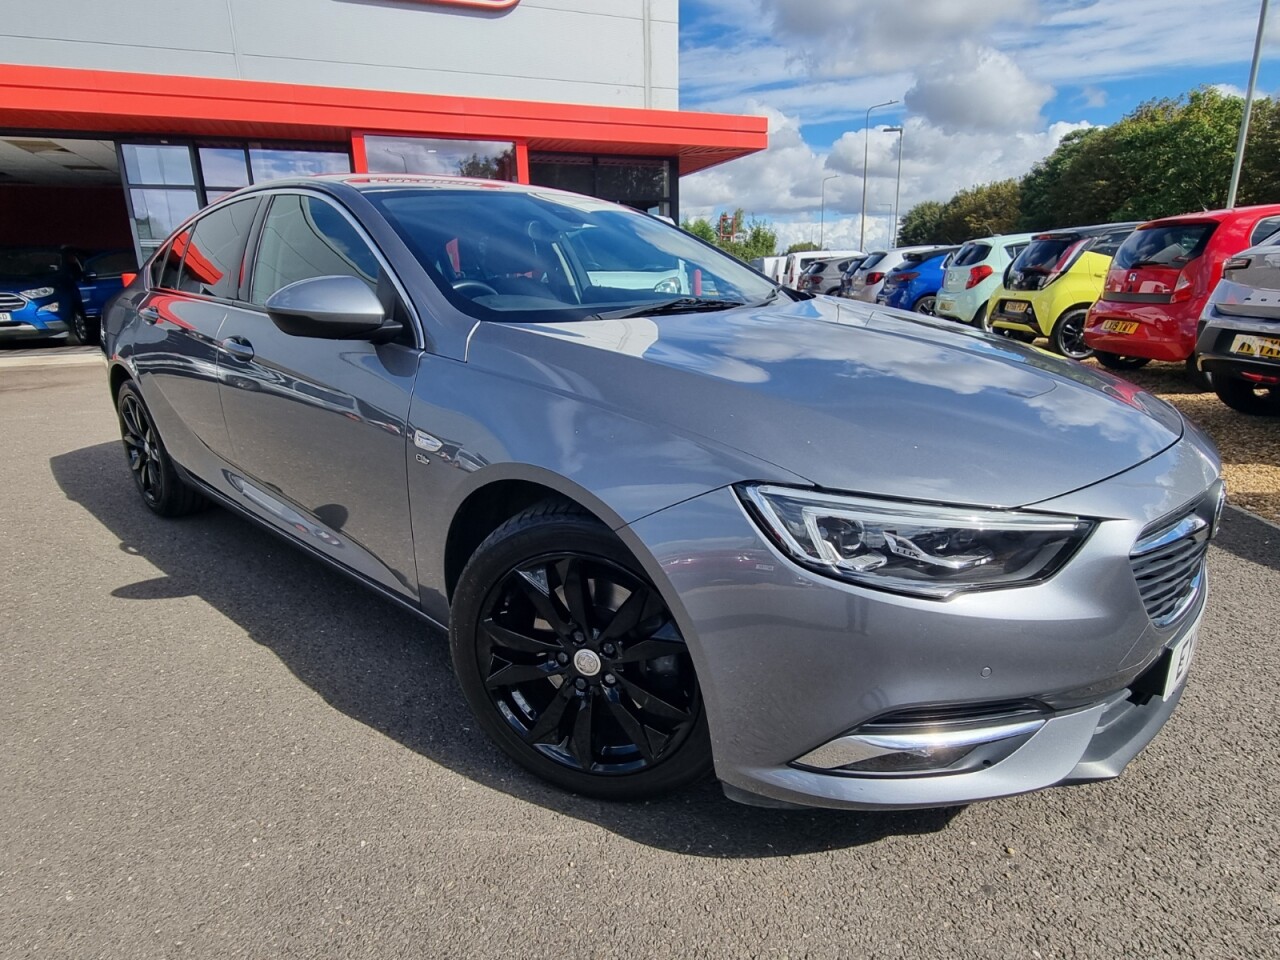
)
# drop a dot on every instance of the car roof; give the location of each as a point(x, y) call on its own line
point(1214, 216)
point(1089, 231)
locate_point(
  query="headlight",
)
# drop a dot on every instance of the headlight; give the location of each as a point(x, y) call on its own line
point(911, 548)
point(35, 293)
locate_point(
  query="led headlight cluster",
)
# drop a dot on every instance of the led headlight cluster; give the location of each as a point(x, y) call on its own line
point(35, 293)
point(918, 549)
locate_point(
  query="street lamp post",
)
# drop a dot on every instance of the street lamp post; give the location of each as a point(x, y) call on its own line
point(897, 185)
point(866, 159)
point(822, 229)
point(1248, 108)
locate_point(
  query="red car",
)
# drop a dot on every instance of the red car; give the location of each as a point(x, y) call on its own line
point(1161, 278)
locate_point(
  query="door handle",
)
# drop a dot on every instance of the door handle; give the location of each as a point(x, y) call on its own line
point(149, 314)
point(238, 347)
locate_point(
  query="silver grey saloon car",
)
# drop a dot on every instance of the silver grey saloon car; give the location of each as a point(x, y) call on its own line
point(676, 518)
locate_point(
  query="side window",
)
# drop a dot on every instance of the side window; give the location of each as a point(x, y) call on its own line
point(1109, 243)
point(112, 264)
point(216, 250)
point(1014, 249)
point(305, 237)
point(1264, 229)
point(169, 261)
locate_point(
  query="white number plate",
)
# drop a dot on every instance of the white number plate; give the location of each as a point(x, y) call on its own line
point(946, 304)
point(5, 317)
point(1180, 663)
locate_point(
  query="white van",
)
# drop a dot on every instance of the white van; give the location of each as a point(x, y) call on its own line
point(771, 267)
point(796, 263)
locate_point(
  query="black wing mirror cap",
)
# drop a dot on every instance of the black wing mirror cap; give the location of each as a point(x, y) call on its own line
point(329, 308)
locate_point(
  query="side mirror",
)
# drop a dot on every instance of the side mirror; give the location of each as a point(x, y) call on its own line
point(88, 276)
point(330, 308)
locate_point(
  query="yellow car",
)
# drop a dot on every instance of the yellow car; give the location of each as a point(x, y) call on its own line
point(1048, 289)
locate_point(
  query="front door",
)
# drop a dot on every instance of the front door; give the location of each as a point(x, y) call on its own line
point(317, 427)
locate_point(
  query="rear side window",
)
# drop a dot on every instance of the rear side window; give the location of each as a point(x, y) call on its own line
point(1166, 246)
point(872, 260)
point(1014, 249)
point(1037, 261)
point(214, 255)
point(972, 254)
point(1264, 229)
point(164, 271)
point(304, 237)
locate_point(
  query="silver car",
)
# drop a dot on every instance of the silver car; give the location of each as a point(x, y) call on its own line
point(839, 555)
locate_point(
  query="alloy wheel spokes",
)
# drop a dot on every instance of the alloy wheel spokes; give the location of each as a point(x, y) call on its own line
point(584, 660)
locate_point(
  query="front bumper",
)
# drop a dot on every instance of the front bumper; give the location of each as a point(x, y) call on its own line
point(29, 322)
point(1165, 331)
point(789, 660)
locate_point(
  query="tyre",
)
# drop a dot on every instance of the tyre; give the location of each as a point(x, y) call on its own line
point(1114, 361)
point(927, 305)
point(980, 321)
point(571, 661)
point(162, 488)
point(833, 291)
point(1197, 377)
point(86, 330)
point(1245, 397)
point(1067, 338)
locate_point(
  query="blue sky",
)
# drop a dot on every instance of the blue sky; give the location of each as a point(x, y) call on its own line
point(987, 88)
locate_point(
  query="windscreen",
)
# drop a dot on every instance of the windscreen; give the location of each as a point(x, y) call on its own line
point(971, 254)
point(548, 256)
point(1166, 246)
point(27, 264)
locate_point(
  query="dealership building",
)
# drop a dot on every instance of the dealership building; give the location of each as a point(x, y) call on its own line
point(117, 122)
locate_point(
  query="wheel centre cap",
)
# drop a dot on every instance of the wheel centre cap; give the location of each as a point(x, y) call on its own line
point(586, 662)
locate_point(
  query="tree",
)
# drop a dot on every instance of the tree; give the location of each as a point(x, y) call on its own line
point(757, 239)
point(981, 211)
point(922, 224)
point(804, 246)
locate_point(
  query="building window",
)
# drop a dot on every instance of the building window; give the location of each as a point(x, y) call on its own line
point(486, 159)
point(640, 182)
point(169, 182)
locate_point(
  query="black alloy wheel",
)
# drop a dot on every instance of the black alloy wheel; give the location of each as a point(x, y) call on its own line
point(162, 489)
point(572, 662)
point(1114, 361)
point(1245, 397)
point(928, 305)
point(1068, 336)
point(86, 330)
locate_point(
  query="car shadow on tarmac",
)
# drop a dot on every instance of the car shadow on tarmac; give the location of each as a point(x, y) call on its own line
point(1249, 538)
point(382, 666)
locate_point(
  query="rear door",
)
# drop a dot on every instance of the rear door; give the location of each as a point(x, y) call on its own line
point(193, 283)
point(318, 426)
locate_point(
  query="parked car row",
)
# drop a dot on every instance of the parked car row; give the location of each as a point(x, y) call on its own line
point(50, 293)
point(1181, 289)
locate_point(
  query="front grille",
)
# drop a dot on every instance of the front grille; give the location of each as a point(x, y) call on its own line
point(1168, 565)
point(11, 301)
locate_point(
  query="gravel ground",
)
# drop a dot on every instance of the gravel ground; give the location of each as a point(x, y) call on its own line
point(1250, 446)
point(211, 746)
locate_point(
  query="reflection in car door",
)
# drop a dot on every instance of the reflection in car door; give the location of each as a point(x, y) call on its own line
point(317, 427)
point(192, 281)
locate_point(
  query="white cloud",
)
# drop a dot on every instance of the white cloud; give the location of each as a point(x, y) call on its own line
point(978, 89)
point(976, 77)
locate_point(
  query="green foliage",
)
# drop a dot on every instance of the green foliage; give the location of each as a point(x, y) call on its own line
point(804, 246)
point(980, 211)
point(756, 238)
point(1167, 157)
point(922, 224)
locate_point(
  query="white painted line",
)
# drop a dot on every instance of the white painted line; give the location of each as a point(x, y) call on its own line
point(65, 360)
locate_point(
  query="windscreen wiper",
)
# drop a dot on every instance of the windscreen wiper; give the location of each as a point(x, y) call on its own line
point(678, 305)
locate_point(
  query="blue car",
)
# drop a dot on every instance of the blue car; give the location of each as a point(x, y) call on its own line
point(100, 280)
point(49, 293)
point(914, 283)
